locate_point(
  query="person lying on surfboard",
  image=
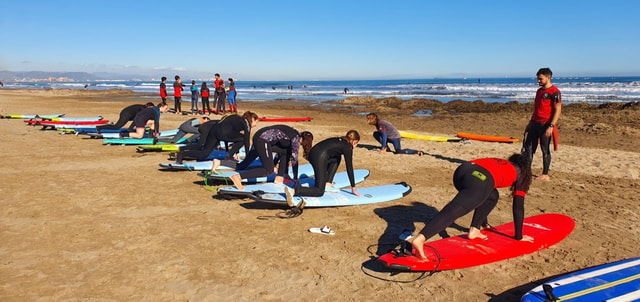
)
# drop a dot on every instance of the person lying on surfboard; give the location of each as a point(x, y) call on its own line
point(325, 158)
point(476, 182)
point(386, 133)
point(280, 139)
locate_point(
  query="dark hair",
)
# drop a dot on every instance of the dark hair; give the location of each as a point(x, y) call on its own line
point(217, 74)
point(163, 78)
point(524, 163)
point(149, 104)
point(544, 71)
point(177, 77)
point(248, 115)
point(161, 104)
point(352, 135)
point(306, 141)
point(372, 117)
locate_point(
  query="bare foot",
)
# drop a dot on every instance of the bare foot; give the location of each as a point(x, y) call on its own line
point(475, 233)
point(216, 164)
point(418, 247)
point(237, 181)
point(543, 177)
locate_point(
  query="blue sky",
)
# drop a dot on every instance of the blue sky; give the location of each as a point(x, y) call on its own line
point(321, 40)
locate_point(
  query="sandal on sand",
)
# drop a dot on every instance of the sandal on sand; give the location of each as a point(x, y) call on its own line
point(289, 195)
point(325, 230)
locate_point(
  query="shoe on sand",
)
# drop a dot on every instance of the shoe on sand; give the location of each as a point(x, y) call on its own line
point(325, 230)
point(289, 195)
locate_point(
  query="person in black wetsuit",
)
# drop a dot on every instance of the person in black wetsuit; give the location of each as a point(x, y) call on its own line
point(280, 139)
point(325, 158)
point(189, 126)
point(232, 128)
point(127, 114)
point(150, 117)
point(476, 182)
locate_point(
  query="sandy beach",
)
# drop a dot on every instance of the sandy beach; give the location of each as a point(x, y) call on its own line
point(82, 221)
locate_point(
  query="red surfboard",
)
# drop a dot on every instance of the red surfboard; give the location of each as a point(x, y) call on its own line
point(460, 252)
point(286, 119)
point(58, 123)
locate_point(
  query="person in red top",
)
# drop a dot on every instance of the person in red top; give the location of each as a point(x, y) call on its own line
point(163, 90)
point(219, 95)
point(204, 93)
point(477, 182)
point(546, 112)
point(177, 94)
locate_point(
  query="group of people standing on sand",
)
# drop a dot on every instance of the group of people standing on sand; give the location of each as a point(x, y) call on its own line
point(476, 180)
point(222, 94)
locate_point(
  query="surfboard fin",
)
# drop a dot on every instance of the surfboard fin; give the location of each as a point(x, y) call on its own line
point(548, 291)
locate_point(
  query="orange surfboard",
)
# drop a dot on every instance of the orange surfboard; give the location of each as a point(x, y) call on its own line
point(487, 138)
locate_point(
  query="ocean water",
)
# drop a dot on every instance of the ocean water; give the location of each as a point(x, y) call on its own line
point(592, 90)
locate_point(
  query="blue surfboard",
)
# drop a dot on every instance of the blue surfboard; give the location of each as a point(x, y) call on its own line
point(343, 197)
point(304, 171)
point(340, 180)
point(205, 165)
point(116, 135)
point(616, 281)
point(136, 141)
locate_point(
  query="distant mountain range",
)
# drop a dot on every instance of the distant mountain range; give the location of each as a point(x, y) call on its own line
point(30, 76)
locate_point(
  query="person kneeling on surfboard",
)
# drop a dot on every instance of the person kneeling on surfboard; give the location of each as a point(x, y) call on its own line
point(476, 182)
point(280, 139)
point(386, 133)
point(147, 117)
point(325, 158)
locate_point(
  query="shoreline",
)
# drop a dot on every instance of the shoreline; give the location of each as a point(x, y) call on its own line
point(81, 220)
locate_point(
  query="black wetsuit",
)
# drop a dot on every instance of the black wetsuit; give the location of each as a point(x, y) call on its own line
point(280, 139)
point(536, 133)
point(477, 192)
point(325, 158)
point(127, 114)
point(231, 129)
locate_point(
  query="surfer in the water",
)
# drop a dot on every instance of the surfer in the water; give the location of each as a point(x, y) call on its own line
point(325, 158)
point(476, 182)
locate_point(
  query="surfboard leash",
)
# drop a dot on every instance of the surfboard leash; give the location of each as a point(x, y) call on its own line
point(287, 214)
point(206, 182)
point(398, 248)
